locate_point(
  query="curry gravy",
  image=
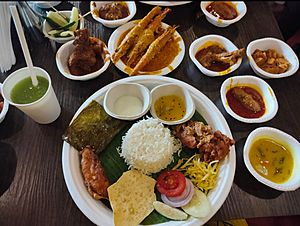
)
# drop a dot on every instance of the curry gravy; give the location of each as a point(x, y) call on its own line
point(271, 160)
point(163, 59)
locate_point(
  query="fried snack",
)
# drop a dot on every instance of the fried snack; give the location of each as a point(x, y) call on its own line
point(146, 38)
point(93, 174)
point(153, 49)
point(132, 37)
point(131, 198)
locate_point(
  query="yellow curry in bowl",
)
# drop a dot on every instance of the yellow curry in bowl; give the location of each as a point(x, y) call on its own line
point(271, 159)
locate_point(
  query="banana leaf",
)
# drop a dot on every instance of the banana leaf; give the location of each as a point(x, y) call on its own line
point(94, 127)
point(114, 166)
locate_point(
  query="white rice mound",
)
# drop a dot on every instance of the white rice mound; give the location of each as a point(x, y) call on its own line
point(148, 146)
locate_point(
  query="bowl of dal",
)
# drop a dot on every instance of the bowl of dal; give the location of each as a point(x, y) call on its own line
point(273, 158)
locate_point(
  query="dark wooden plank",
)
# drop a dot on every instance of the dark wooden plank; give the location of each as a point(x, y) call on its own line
point(32, 188)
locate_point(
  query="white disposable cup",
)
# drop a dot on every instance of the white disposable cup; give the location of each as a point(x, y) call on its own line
point(44, 110)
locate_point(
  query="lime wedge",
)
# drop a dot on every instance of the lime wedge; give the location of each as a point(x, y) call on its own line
point(169, 212)
point(74, 17)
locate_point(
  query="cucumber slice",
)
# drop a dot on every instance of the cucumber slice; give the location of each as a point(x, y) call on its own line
point(66, 34)
point(74, 17)
point(51, 23)
point(67, 27)
point(199, 206)
point(55, 33)
point(169, 212)
point(56, 18)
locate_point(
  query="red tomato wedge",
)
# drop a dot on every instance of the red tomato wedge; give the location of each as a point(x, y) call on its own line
point(171, 183)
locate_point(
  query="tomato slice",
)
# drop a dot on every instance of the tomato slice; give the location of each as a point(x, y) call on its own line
point(171, 183)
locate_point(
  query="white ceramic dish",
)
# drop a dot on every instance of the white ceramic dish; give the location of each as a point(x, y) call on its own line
point(173, 89)
point(240, 7)
point(226, 43)
point(281, 47)
point(63, 55)
point(127, 89)
point(113, 44)
point(166, 3)
point(285, 139)
point(95, 210)
point(95, 5)
point(271, 104)
point(5, 106)
point(47, 28)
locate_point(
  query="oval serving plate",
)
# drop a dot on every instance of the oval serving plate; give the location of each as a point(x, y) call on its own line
point(113, 43)
point(96, 211)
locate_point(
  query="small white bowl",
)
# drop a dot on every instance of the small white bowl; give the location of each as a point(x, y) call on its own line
point(47, 28)
point(173, 89)
point(63, 55)
point(95, 5)
point(281, 47)
point(271, 104)
point(5, 106)
point(127, 89)
point(226, 43)
point(240, 7)
point(283, 138)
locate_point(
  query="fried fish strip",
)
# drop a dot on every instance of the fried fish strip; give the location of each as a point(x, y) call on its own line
point(134, 34)
point(146, 38)
point(153, 49)
point(93, 173)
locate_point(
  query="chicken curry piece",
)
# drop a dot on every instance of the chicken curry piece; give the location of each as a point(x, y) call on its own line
point(87, 55)
point(216, 58)
point(270, 61)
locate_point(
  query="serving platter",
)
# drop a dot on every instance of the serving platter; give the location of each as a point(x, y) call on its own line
point(166, 3)
point(95, 210)
point(114, 40)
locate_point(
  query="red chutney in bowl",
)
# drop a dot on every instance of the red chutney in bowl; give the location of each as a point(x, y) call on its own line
point(245, 101)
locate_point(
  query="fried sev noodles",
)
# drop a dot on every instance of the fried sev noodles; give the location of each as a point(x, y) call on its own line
point(202, 174)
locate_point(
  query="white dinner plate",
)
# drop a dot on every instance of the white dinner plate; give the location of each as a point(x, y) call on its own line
point(113, 43)
point(166, 3)
point(96, 211)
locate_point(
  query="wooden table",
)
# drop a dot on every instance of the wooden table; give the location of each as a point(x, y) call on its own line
point(32, 187)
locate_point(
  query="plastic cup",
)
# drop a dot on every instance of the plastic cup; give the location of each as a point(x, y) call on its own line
point(44, 110)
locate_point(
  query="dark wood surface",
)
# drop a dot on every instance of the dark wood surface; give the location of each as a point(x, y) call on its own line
point(32, 187)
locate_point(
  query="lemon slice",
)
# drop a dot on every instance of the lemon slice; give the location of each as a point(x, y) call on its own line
point(199, 206)
point(169, 212)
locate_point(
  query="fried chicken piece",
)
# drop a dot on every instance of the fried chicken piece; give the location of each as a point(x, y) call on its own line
point(217, 148)
point(246, 99)
point(193, 134)
point(93, 173)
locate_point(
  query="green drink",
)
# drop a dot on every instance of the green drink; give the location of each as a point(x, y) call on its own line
point(24, 92)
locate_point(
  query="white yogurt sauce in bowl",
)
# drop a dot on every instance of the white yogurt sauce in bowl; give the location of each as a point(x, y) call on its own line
point(128, 105)
point(127, 101)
